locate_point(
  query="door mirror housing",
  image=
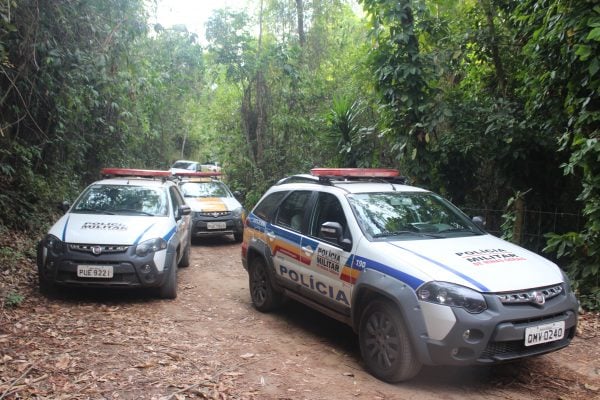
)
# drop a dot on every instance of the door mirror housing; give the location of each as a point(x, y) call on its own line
point(479, 221)
point(64, 206)
point(334, 233)
point(183, 210)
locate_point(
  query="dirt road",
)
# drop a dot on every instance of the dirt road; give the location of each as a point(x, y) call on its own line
point(211, 343)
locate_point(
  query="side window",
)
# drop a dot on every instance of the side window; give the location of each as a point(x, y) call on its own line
point(291, 211)
point(328, 209)
point(264, 210)
point(176, 200)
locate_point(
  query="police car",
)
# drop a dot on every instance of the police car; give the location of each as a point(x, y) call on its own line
point(417, 280)
point(215, 210)
point(131, 229)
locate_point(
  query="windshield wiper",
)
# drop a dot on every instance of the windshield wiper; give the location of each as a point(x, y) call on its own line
point(401, 233)
point(461, 230)
point(131, 210)
point(94, 211)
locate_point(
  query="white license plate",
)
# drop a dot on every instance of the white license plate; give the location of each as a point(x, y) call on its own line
point(216, 225)
point(95, 271)
point(544, 333)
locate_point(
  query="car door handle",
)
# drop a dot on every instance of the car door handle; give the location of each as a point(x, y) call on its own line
point(271, 235)
point(308, 250)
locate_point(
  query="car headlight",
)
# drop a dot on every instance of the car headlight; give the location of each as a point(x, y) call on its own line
point(54, 244)
point(452, 295)
point(567, 282)
point(239, 213)
point(150, 246)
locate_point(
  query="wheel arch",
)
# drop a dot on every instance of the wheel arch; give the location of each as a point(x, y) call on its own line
point(260, 250)
point(373, 285)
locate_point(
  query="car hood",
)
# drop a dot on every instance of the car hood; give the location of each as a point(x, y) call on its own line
point(212, 204)
point(111, 229)
point(485, 263)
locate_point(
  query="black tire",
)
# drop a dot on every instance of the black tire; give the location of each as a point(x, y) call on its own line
point(264, 297)
point(238, 236)
point(185, 258)
point(384, 343)
point(169, 289)
point(47, 287)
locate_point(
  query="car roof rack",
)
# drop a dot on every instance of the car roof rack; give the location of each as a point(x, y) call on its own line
point(214, 176)
point(201, 174)
point(330, 176)
point(348, 173)
point(132, 172)
point(299, 178)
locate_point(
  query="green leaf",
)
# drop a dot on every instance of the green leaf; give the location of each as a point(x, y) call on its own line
point(583, 52)
point(594, 34)
point(594, 66)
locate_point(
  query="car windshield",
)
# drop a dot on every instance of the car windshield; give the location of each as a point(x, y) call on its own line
point(409, 216)
point(185, 165)
point(205, 189)
point(123, 199)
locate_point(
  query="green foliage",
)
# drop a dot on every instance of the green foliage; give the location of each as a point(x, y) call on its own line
point(13, 299)
point(83, 87)
point(563, 42)
point(405, 76)
point(273, 94)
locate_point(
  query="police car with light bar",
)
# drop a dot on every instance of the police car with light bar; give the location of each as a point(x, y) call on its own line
point(130, 229)
point(417, 280)
point(215, 209)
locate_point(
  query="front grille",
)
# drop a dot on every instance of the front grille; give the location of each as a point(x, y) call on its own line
point(98, 248)
point(534, 296)
point(214, 214)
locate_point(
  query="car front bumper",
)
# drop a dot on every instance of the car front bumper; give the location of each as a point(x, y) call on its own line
point(498, 334)
point(129, 270)
point(216, 226)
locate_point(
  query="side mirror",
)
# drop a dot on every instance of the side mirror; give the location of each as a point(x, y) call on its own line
point(237, 194)
point(183, 210)
point(479, 221)
point(64, 206)
point(333, 232)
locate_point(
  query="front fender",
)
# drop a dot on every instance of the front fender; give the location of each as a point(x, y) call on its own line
point(258, 248)
point(372, 284)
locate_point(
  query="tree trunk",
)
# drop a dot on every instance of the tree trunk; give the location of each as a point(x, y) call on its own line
point(500, 75)
point(300, 12)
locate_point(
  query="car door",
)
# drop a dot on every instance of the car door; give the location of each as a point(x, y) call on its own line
point(285, 238)
point(182, 222)
point(328, 259)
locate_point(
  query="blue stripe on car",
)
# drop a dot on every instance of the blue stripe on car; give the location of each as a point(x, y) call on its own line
point(253, 222)
point(64, 234)
point(170, 234)
point(448, 268)
point(410, 280)
point(142, 234)
point(286, 235)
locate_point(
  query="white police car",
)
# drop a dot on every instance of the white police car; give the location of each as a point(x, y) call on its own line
point(418, 281)
point(131, 229)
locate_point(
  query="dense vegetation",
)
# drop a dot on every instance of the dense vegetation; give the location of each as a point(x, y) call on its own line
point(490, 102)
